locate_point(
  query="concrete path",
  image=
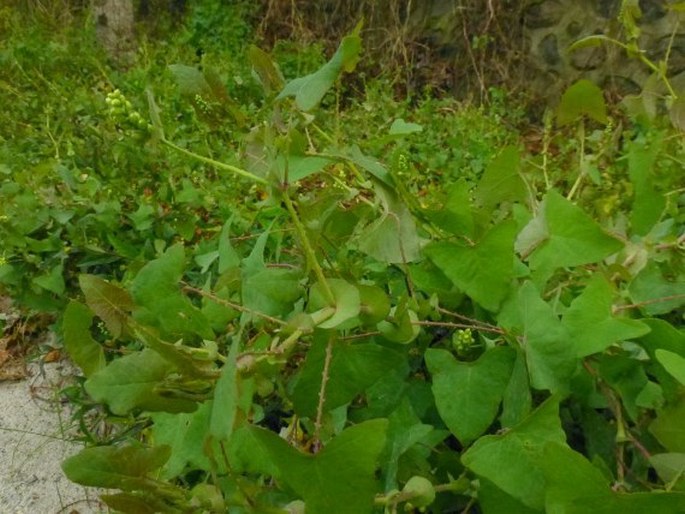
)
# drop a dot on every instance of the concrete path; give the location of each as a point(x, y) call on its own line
point(34, 439)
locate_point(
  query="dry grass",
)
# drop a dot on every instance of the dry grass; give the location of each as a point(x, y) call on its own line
point(483, 49)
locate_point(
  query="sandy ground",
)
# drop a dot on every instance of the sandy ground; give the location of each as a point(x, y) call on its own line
point(33, 443)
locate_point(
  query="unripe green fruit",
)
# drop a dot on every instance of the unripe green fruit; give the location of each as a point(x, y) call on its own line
point(421, 490)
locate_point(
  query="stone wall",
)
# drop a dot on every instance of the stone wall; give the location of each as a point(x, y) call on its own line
point(541, 31)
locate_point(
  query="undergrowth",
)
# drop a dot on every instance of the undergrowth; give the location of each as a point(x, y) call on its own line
point(287, 293)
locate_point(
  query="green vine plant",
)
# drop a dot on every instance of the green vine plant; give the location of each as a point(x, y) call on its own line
point(343, 350)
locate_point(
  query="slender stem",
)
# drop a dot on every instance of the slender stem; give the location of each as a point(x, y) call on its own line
point(648, 302)
point(581, 160)
point(232, 305)
point(546, 135)
point(466, 318)
point(494, 330)
point(322, 392)
point(216, 164)
point(310, 255)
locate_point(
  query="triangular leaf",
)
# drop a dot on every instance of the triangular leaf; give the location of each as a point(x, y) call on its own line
point(468, 395)
point(570, 237)
point(513, 461)
point(582, 99)
point(483, 271)
point(352, 369)
point(130, 382)
point(310, 90)
point(339, 479)
point(590, 322)
point(185, 434)
point(501, 180)
point(156, 290)
point(547, 344)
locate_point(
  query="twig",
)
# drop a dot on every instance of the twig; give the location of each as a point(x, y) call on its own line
point(466, 318)
point(446, 324)
point(232, 305)
point(637, 305)
point(322, 391)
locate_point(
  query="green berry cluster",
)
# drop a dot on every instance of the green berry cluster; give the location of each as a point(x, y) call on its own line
point(122, 113)
point(462, 340)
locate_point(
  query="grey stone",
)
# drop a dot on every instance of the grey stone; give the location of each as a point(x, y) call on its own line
point(549, 50)
point(652, 10)
point(543, 14)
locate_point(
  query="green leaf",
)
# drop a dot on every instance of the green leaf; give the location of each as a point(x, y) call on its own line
point(52, 281)
point(156, 291)
point(674, 364)
point(516, 400)
point(300, 166)
point(392, 238)
point(582, 99)
point(126, 468)
point(648, 203)
point(130, 381)
point(232, 397)
point(347, 301)
point(228, 257)
point(265, 69)
point(468, 395)
point(591, 324)
point(400, 326)
point(670, 467)
point(82, 348)
point(373, 166)
point(353, 368)
point(570, 477)
point(271, 291)
point(456, 215)
point(549, 350)
point(564, 236)
point(185, 434)
point(668, 427)
point(501, 181)
point(404, 431)
point(400, 127)
point(183, 358)
point(191, 81)
point(111, 303)
point(492, 500)
point(655, 294)
point(158, 128)
point(139, 502)
point(664, 336)
point(310, 90)
point(483, 271)
point(513, 461)
point(375, 304)
point(339, 479)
